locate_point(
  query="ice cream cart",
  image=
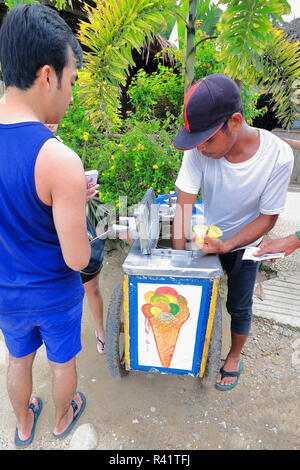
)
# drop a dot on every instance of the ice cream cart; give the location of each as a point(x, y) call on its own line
point(166, 315)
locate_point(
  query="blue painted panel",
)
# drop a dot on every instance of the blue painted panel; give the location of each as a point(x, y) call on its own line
point(133, 282)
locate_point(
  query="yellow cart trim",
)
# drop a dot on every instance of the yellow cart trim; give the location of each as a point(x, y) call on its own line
point(210, 322)
point(126, 326)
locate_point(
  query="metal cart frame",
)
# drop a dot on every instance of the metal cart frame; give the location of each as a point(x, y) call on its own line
point(148, 265)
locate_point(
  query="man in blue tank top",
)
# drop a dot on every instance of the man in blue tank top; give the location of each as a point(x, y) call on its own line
point(43, 235)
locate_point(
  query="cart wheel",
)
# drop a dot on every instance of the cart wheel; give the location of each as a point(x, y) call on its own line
point(115, 340)
point(215, 345)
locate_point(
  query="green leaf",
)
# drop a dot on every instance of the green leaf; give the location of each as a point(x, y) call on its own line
point(114, 29)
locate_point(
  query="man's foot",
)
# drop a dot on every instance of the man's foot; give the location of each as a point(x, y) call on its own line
point(100, 342)
point(75, 411)
point(231, 364)
point(24, 435)
point(227, 380)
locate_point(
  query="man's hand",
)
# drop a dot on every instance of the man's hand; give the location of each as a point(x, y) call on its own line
point(288, 245)
point(91, 191)
point(251, 232)
point(211, 245)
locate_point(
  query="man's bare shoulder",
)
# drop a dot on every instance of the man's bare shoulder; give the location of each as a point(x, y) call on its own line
point(58, 170)
point(56, 153)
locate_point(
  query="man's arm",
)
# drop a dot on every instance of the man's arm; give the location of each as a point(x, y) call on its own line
point(295, 144)
point(61, 183)
point(182, 220)
point(251, 232)
point(288, 245)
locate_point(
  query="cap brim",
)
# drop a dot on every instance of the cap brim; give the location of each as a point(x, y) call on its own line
point(188, 140)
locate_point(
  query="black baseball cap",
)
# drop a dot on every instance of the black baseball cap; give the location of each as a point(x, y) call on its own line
point(207, 106)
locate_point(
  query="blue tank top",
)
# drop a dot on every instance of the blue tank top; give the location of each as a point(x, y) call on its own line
point(33, 274)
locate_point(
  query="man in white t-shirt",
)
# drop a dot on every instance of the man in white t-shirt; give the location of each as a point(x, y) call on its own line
point(243, 173)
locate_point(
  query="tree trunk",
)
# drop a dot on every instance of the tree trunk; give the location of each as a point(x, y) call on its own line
point(189, 67)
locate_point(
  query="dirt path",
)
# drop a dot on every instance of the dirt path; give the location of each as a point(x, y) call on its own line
point(151, 411)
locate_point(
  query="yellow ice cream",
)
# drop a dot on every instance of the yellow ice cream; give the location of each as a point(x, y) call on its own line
point(202, 230)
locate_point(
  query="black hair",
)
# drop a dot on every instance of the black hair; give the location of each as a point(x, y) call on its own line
point(225, 125)
point(32, 36)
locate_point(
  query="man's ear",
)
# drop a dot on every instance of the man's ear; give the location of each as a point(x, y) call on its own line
point(45, 76)
point(235, 122)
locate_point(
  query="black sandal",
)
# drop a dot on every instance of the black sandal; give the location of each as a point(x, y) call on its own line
point(100, 345)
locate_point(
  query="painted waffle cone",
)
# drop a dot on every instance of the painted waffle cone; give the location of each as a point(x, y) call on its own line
point(166, 334)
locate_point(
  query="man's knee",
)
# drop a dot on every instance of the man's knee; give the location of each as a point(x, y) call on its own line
point(24, 362)
point(241, 321)
point(63, 367)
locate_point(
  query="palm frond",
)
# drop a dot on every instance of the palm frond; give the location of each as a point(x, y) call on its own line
point(252, 50)
point(209, 15)
point(112, 31)
point(280, 76)
point(59, 4)
point(244, 29)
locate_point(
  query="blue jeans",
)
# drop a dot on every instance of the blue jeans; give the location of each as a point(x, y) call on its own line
point(241, 282)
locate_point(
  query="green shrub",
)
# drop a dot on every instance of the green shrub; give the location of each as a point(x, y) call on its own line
point(77, 131)
point(143, 157)
point(128, 164)
point(160, 94)
point(156, 95)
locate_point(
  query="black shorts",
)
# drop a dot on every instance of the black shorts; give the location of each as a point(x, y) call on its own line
point(97, 254)
point(88, 277)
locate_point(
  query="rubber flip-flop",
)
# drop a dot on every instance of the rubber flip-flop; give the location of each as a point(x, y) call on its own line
point(101, 346)
point(76, 415)
point(36, 411)
point(225, 373)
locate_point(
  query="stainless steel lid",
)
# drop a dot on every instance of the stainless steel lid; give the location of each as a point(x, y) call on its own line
point(172, 263)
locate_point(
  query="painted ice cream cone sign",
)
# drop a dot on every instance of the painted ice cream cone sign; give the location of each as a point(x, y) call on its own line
point(202, 230)
point(165, 311)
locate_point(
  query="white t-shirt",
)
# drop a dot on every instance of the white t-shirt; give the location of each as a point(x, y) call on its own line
point(235, 194)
